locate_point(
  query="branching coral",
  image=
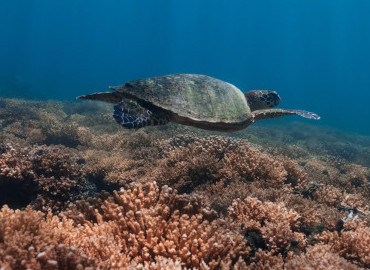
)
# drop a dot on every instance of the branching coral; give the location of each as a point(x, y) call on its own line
point(185, 162)
point(52, 172)
point(208, 159)
point(112, 169)
point(139, 225)
point(292, 213)
point(328, 195)
point(276, 225)
point(39, 122)
point(353, 243)
point(318, 257)
point(143, 226)
point(351, 178)
point(27, 241)
point(148, 224)
point(266, 260)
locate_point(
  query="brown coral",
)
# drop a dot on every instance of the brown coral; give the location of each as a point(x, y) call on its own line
point(139, 225)
point(28, 242)
point(273, 222)
point(295, 214)
point(148, 224)
point(351, 178)
point(352, 243)
point(51, 172)
point(209, 159)
point(318, 257)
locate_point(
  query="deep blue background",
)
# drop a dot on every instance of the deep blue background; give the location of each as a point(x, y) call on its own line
point(315, 53)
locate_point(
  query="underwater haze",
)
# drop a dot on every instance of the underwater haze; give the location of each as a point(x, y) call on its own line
point(314, 53)
point(79, 191)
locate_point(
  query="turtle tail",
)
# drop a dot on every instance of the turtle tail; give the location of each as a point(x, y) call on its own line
point(134, 118)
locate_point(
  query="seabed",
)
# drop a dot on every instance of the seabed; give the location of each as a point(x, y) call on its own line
point(79, 192)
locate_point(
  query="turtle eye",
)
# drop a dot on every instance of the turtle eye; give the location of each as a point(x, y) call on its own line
point(274, 98)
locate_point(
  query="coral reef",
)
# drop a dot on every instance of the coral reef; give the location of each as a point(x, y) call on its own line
point(140, 225)
point(29, 241)
point(196, 160)
point(78, 192)
point(267, 225)
point(352, 243)
point(319, 257)
point(51, 175)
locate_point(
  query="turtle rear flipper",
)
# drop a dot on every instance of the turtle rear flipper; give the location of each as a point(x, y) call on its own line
point(275, 113)
point(130, 115)
point(111, 97)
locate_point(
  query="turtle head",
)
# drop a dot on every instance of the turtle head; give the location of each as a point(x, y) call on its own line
point(262, 99)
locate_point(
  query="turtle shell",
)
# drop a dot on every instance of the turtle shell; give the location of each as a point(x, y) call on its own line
point(196, 97)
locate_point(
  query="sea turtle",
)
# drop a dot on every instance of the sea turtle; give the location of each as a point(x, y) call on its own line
point(191, 99)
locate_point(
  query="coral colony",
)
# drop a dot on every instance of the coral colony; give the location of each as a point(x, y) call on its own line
point(78, 193)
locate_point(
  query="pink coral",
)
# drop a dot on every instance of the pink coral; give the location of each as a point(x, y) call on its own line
point(137, 226)
point(277, 225)
point(318, 257)
point(292, 212)
point(353, 243)
point(53, 173)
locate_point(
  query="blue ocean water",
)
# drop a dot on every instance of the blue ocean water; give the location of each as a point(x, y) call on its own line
point(315, 53)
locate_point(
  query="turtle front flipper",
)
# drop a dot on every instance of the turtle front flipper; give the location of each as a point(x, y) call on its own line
point(130, 115)
point(275, 113)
